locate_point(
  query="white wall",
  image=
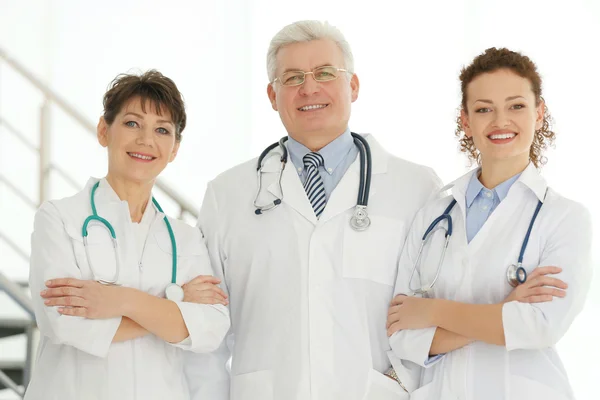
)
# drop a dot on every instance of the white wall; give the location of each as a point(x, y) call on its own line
point(408, 55)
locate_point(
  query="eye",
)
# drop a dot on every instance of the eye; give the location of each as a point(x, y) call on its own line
point(162, 131)
point(483, 110)
point(131, 124)
point(518, 106)
point(292, 79)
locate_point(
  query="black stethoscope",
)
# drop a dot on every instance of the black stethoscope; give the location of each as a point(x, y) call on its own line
point(515, 273)
point(360, 221)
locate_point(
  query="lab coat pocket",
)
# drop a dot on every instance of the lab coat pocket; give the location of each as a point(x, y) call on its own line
point(382, 387)
point(373, 254)
point(256, 385)
point(522, 388)
point(424, 392)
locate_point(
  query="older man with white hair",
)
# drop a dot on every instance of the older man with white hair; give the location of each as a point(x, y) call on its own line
point(309, 275)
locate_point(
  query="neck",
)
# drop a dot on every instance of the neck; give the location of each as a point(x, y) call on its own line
point(136, 194)
point(494, 172)
point(315, 141)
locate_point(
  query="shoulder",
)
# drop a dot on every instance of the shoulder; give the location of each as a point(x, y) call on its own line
point(565, 210)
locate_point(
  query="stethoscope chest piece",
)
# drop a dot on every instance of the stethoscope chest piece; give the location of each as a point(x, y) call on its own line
point(516, 275)
point(174, 292)
point(360, 221)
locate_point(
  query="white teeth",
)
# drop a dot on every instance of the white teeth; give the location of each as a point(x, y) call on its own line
point(312, 107)
point(503, 136)
point(136, 155)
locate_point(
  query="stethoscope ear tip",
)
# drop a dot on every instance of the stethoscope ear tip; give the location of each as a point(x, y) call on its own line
point(257, 211)
point(277, 202)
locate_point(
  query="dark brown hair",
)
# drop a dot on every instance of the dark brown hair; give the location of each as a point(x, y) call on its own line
point(150, 86)
point(492, 60)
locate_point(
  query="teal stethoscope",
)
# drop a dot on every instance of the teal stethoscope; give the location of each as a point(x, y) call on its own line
point(515, 273)
point(173, 291)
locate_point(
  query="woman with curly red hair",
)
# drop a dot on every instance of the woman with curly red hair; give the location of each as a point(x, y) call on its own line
point(483, 318)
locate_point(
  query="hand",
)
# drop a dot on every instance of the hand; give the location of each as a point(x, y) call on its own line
point(88, 299)
point(539, 287)
point(204, 290)
point(409, 312)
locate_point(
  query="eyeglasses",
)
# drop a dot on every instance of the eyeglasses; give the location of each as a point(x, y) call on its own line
point(321, 74)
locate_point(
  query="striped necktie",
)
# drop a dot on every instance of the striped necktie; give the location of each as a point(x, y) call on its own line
point(315, 190)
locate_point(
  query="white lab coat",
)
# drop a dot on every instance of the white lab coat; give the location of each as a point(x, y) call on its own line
point(76, 359)
point(308, 297)
point(528, 367)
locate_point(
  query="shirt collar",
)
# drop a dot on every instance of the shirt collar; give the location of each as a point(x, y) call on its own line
point(475, 187)
point(333, 153)
point(106, 194)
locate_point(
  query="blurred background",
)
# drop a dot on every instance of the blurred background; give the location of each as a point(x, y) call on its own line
point(57, 58)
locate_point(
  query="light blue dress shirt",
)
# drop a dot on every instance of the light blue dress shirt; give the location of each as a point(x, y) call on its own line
point(481, 202)
point(338, 156)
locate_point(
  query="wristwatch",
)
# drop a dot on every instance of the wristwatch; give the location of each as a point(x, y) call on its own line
point(392, 374)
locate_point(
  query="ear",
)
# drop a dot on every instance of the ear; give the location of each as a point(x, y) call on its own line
point(464, 120)
point(539, 115)
point(354, 87)
point(102, 132)
point(272, 96)
point(174, 151)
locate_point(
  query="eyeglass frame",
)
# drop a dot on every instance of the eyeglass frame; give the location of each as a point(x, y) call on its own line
point(278, 79)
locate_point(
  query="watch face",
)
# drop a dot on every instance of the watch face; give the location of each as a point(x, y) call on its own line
point(174, 292)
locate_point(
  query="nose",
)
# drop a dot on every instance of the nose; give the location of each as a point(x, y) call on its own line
point(145, 137)
point(501, 119)
point(310, 85)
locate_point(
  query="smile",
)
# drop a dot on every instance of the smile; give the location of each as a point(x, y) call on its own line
point(140, 156)
point(312, 107)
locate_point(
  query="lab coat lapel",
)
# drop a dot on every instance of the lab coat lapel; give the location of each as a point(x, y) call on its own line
point(293, 194)
point(116, 212)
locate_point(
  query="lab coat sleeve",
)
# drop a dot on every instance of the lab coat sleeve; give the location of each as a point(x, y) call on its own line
point(208, 374)
point(207, 324)
point(541, 325)
point(52, 257)
point(412, 344)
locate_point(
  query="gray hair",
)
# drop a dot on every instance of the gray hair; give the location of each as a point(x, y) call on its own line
point(305, 31)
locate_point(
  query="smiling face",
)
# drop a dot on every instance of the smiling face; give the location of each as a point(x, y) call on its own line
point(313, 110)
point(140, 141)
point(502, 116)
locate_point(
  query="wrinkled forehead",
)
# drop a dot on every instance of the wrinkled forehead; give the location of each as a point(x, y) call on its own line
point(305, 56)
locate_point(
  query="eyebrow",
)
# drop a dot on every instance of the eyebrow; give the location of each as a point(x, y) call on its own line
point(491, 102)
point(298, 69)
point(140, 116)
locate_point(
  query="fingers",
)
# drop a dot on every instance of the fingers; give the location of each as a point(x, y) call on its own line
point(65, 282)
point(204, 279)
point(61, 292)
point(538, 299)
point(74, 311)
point(399, 299)
point(205, 287)
point(211, 295)
point(65, 301)
point(394, 309)
point(541, 290)
point(393, 329)
point(548, 281)
point(544, 271)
